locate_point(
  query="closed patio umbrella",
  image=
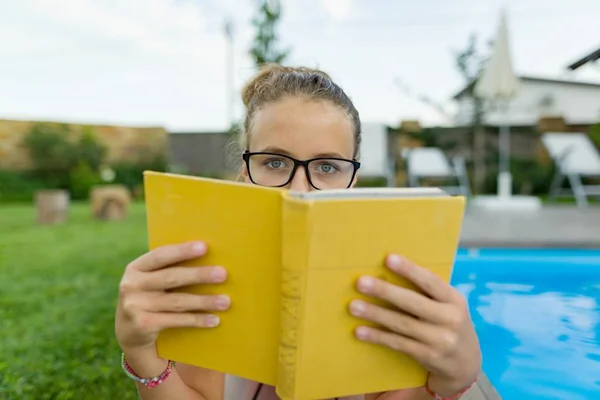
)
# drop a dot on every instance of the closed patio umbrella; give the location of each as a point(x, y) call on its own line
point(498, 84)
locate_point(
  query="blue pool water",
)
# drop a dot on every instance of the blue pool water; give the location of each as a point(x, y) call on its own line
point(537, 313)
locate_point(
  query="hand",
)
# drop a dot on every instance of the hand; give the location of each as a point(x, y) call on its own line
point(145, 307)
point(434, 328)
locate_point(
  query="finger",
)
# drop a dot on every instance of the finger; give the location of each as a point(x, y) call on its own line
point(403, 324)
point(186, 302)
point(425, 279)
point(402, 344)
point(167, 255)
point(406, 300)
point(175, 277)
point(156, 322)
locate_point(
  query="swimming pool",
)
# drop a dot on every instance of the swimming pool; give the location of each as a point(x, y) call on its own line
point(537, 313)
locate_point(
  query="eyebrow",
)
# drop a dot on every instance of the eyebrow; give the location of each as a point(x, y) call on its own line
point(278, 150)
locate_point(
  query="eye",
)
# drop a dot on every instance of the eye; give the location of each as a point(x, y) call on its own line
point(275, 163)
point(326, 167)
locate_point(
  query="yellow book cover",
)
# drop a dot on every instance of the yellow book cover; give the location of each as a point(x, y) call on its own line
point(293, 260)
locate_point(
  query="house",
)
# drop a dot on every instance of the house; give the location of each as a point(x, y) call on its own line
point(576, 101)
point(585, 60)
point(375, 152)
point(201, 153)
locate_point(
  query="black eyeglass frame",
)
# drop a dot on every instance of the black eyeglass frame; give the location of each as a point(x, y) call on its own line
point(298, 163)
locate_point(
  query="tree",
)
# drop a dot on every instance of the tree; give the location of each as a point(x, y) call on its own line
point(61, 162)
point(264, 49)
point(89, 150)
point(51, 153)
point(470, 63)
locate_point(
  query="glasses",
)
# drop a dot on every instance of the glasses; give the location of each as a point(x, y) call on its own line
point(276, 170)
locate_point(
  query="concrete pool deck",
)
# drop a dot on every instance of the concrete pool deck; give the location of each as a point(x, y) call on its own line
point(558, 225)
point(483, 390)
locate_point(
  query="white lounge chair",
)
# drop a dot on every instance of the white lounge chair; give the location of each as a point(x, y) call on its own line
point(576, 158)
point(430, 162)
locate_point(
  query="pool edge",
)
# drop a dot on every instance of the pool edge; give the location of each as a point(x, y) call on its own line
point(494, 244)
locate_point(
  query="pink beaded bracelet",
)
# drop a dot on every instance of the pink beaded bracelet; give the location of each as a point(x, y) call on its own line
point(148, 382)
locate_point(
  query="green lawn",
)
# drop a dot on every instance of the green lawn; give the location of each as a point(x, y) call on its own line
point(58, 287)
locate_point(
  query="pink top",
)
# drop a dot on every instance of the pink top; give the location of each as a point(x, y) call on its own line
point(241, 389)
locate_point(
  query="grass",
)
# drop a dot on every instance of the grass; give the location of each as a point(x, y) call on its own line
point(58, 290)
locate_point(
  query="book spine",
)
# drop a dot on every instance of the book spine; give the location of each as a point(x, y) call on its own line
point(294, 253)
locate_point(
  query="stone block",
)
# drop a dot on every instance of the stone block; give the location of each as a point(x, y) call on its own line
point(52, 206)
point(110, 202)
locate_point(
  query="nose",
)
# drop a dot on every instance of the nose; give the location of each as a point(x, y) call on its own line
point(299, 182)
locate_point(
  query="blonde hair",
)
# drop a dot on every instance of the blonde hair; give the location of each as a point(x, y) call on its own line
point(274, 82)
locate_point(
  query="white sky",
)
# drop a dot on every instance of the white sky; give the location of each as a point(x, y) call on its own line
point(162, 62)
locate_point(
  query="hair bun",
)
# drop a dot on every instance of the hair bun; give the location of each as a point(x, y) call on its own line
point(270, 72)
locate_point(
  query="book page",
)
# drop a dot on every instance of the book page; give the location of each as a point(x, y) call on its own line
point(381, 192)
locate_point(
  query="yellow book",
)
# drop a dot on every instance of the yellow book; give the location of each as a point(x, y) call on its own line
point(293, 260)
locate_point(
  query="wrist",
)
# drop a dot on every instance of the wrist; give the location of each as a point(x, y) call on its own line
point(145, 362)
point(450, 388)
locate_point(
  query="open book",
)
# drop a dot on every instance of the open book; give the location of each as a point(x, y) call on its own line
point(293, 260)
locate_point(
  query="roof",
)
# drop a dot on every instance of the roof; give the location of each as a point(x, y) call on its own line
point(593, 56)
point(469, 87)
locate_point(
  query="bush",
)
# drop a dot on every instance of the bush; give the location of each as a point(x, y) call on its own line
point(82, 179)
point(595, 134)
point(18, 186)
point(132, 174)
point(371, 182)
point(529, 177)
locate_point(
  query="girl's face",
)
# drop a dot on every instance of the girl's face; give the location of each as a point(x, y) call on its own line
point(301, 129)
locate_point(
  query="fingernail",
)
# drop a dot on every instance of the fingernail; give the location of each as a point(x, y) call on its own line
point(219, 274)
point(362, 332)
point(222, 302)
point(199, 248)
point(357, 307)
point(394, 261)
point(365, 283)
point(212, 320)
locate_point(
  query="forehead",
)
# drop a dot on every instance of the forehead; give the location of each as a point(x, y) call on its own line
point(303, 128)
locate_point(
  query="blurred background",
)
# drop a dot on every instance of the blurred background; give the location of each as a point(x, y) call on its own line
point(496, 100)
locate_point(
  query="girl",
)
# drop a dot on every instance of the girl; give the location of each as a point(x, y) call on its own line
point(301, 132)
